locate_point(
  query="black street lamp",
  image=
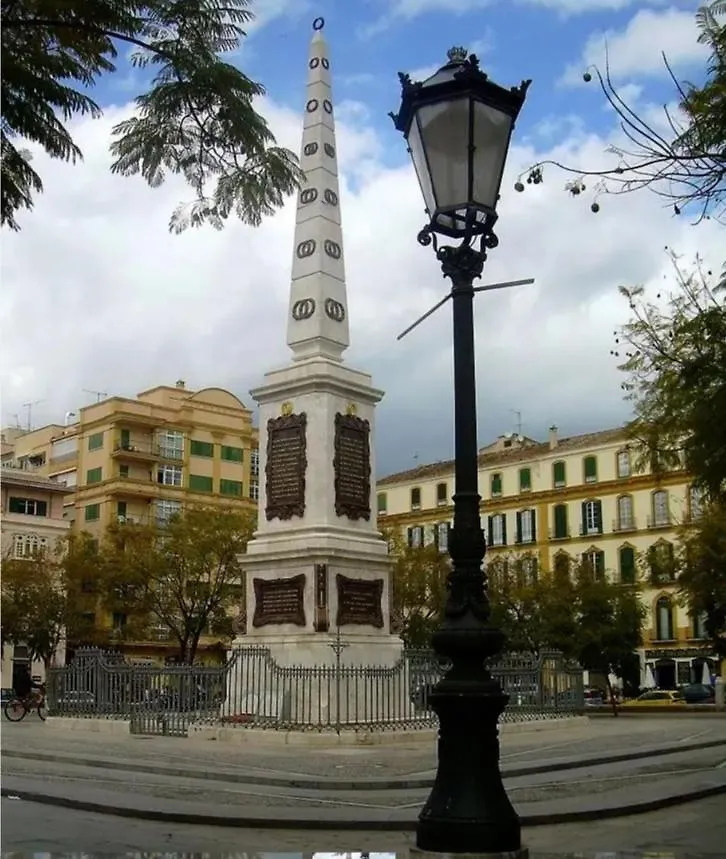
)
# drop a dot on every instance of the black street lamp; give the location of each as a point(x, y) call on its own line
point(457, 125)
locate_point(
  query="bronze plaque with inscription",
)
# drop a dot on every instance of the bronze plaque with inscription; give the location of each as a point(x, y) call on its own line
point(285, 467)
point(352, 467)
point(279, 601)
point(359, 602)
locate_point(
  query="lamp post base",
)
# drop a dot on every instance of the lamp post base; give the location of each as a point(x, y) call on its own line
point(468, 810)
point(522, 853)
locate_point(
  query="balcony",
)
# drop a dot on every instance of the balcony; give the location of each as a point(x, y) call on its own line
point(590, 531)
point(663, 521)
point(144, 451)
point(131, 487)
point(624, 524)
point(563, 535)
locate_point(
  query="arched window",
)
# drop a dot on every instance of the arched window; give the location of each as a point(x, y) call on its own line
point(695, 503)
point(626, 556)
point(661, 514)
point(562, 564)
point(626, 520)
point(623, 462)
point(664, 619)
point(661, 558)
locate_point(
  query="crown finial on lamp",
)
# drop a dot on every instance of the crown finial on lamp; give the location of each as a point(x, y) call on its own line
point(457, 54)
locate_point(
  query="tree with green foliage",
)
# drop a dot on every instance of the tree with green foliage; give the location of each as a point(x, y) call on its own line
point(196, 118)
point(673, 353)
point(702, 576)
point(187, 576)
point(418, 582)
point(685, 165)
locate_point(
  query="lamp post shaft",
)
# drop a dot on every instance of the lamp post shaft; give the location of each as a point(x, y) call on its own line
point(468, 810)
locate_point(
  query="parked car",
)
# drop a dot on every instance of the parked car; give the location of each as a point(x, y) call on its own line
point(699, 693)
point(594, 697)
point(656, 698)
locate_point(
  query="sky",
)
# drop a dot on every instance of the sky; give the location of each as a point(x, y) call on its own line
point(98, 296)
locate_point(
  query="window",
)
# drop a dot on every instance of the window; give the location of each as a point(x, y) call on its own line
point(169, 475)
point(623, 463)
point(255, 462)
point(664, 620)
point(415, 537)
point(591, 517)
point(232, 454)
point(595, 560)
point(123, 471)
point(27, 506)
point(92, 512)
point(661, 560)
point(230, 487)
point(695, 503)
point(562, 532)
point(496, 484)
point(201, 483)
point(416, 498)
point(119, 621)
point(27, 545)
point(442, 494)
point(95, 441)
point(94, 475)
point(528, 567)
point(661, 515)
point(590, 468)
point(121, 511)
point(442, 536)
point(498, 530)
point(254, 490)
point(202, 448)
point(562, 564)
point(625, 513)
point(171, 444)
point(165, 510)
point(559, 477)
point(382, 503)
point(626, 556)
point(526, 528)
point(525, 479)
point(698, 624)
point(125, 441)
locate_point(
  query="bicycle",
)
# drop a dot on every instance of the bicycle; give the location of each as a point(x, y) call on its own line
point(16, 709)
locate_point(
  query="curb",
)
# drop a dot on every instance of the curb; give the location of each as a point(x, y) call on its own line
point(327, 783)
point(276, 821)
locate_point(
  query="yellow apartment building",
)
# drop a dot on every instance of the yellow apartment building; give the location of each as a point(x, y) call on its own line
point(141, 460)
point(571, 498)
point(32, 521)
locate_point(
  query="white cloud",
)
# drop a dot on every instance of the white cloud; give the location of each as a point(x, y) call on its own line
point(98, 295)
point(639, 48)
point(407, 10)
point(576, 7)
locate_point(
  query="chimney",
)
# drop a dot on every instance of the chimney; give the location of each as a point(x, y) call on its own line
point(553, 437)
point(180, 383)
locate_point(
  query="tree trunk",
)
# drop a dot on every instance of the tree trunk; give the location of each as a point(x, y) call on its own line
point(193, 645)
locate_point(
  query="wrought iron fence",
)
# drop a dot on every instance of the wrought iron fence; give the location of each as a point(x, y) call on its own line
point(253, 690)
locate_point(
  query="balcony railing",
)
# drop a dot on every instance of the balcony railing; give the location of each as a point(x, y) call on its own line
point(624, 523)
point(590, 531)
point(664, 521)
point(137, 449)
point(562, 535)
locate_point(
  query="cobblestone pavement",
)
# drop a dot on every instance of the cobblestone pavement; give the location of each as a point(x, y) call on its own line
point(403, 758)
point(694, 830)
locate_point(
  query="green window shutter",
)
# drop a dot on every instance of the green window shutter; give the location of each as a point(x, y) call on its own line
point(490, 531)
point(519, 527)
point(94, 475)
point(125, 439)
point(95, 441)
point(496, 484)
point(560, 521)
point(583, 524)
point(410, 537)
point(599, 565)
point(231, 454)
point(504, 529)
point(123, 471)
point(525, 479)
point(230, 487)
point(533, 514)
point(590, 468)
point(201, 448)
point(627, 565)
point(92, 513)
point(199, 483)
point(598, 516)
point(382, 502)
point(558, 474)
point(121, 509)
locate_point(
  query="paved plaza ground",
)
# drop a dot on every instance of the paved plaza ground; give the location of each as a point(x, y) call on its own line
point(605, 765)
